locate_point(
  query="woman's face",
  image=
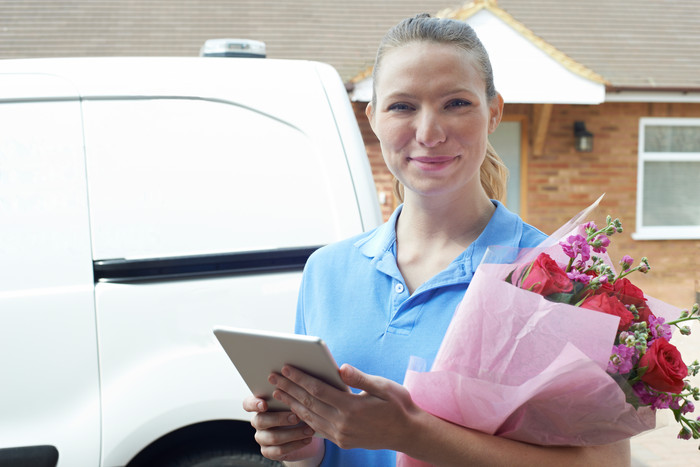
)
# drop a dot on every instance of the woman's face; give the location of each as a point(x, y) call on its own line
point(432, 118)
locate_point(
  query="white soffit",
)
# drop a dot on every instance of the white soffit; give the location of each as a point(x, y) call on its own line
point(523, 72)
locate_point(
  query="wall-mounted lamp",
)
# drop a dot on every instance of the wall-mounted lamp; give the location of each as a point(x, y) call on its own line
point(584, 138)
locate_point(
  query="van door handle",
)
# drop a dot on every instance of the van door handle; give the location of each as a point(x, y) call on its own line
point(183, 267)
point(29, 456)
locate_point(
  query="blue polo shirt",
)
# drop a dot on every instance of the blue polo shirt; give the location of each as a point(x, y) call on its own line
point(354, 297)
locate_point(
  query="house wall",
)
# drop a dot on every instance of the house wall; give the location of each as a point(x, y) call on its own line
point(560, 182)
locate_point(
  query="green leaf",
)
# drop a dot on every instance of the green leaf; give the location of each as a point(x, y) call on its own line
point(560, 297)
point(676, 414)
point(641, 370)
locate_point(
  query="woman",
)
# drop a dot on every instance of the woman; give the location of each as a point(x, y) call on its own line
point(383, 296)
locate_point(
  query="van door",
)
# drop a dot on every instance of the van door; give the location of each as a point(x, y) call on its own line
point(203, 212)
point(49, 397)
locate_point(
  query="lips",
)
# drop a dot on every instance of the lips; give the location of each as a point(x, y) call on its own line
point(432, 159)
point(432, 163)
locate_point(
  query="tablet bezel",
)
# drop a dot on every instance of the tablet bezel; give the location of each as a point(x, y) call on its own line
point(257, 353)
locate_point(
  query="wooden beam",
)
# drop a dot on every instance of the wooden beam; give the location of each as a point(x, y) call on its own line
point(542, 115)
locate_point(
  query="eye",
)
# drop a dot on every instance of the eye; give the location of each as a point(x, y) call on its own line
point(458, 103)
point(399, 107)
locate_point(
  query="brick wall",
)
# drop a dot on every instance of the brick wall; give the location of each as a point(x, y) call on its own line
point(560, 182)
point(382, 177)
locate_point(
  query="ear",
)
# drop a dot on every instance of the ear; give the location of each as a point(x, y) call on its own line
point(495, 112)
point(369, 112)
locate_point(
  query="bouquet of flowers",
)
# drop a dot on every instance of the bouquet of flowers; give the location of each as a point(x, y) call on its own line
point(556, 348)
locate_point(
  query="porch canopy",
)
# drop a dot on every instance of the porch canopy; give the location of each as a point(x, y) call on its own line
point(526, 68)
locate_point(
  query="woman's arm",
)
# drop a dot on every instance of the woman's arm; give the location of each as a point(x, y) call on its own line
point(383, 416)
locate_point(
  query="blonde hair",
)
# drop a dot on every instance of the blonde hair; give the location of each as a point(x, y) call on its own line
point(423, 27)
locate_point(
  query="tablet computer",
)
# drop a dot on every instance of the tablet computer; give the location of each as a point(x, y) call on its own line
point(257, 353)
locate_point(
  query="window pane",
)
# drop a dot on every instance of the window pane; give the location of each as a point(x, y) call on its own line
point(671, 194)
point(672, 138)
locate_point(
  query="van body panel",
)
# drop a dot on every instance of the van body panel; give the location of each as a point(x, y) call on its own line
point(49, 394)
point(124, 163)
point(161, 362)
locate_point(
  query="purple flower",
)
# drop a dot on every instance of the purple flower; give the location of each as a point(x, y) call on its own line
point(688, 407)
point(601, 243)
point(626, 262)
point(622, 359)
point(659, 328)
point(663, 401)
point(576, 245)
point(657, 400)
point(685, 434)
point(675, 403)
point(642, 392)
point(578, 276)
point(590, 227)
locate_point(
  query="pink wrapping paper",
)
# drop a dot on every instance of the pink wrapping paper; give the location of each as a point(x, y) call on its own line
point(516, 365)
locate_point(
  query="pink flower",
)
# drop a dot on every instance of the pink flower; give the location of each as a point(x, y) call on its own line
point(578, 276)
point(626, 262)
point(688, 407)
point(659, 328)
point(622, 359)
point(657, 400)
point(601, 243)
point(590, 227)
point(576, 245)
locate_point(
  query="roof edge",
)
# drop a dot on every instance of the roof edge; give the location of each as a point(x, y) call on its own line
point(678, 90)
point(473, 7)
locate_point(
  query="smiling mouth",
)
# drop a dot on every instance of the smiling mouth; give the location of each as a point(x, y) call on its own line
point(433, 160)
point(432, 164)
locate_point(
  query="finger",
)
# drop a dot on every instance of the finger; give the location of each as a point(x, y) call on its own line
point(268, 420)
point(285, 451)
point(355, 378)
point(254, 404)
point(307, 448)
point(283, 434)
point(304, 394)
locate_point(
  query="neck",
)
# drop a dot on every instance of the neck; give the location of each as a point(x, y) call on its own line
point(460, 220)
point(431, 233)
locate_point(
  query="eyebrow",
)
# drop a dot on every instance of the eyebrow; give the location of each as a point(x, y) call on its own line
point(408, 95)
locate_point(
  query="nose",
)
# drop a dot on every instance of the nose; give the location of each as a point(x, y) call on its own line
point(429, 129)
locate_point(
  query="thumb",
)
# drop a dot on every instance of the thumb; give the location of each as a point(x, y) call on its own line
point(357, 379)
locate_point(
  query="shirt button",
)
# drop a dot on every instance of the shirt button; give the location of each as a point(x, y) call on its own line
point(398, 288)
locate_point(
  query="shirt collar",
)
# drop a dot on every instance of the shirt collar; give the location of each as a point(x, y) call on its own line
point(382, 239)
point(504, 228)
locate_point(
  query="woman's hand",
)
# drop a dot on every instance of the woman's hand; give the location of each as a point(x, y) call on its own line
point(377, 418)
point(281, 435)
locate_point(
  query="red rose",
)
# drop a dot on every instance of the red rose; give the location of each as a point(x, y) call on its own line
point(630, 294)
point(612, 306)
point(546, 277)
point(665, 369)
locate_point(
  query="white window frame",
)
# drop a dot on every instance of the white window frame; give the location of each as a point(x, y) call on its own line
point(684, 232)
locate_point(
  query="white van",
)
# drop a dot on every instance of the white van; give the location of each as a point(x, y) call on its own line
point(144, 201)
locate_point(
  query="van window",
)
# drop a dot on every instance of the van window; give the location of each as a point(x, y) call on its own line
point(187, 176)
